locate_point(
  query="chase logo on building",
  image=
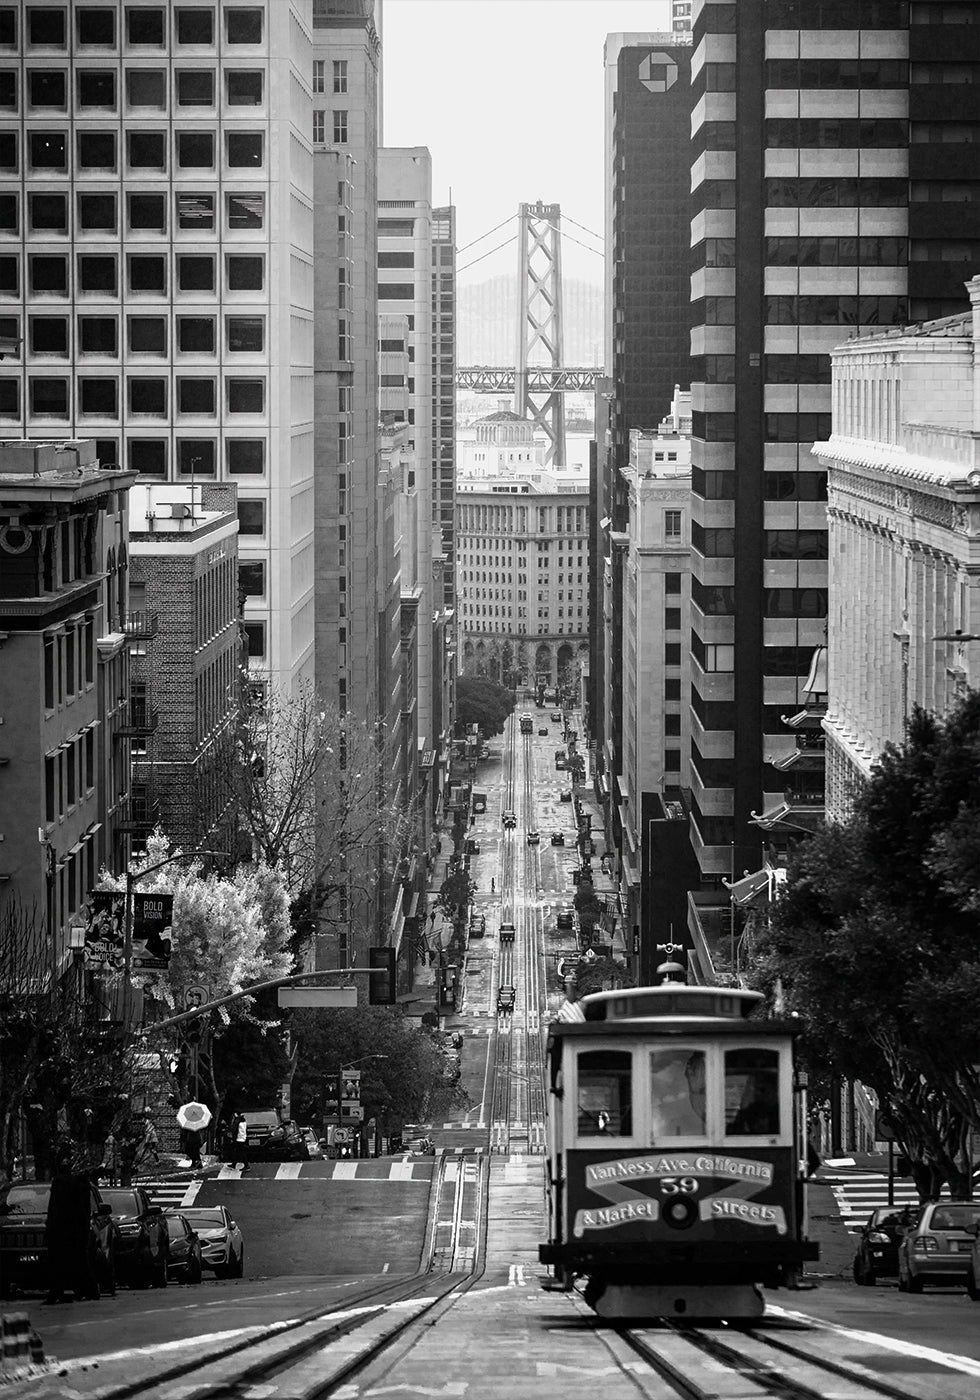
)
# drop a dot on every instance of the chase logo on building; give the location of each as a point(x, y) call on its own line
point(657, 72)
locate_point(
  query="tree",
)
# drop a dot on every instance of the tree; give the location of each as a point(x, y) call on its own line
point(482, 702)
point(313, 797)
point(875, 943)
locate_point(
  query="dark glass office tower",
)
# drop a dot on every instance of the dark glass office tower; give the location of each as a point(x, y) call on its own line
point(835, 181)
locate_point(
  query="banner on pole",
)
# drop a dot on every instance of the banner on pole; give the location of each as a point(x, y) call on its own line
point(105, 929)
point(152, 930)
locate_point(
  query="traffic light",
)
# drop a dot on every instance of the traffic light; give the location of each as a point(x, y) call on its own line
point(381, 991)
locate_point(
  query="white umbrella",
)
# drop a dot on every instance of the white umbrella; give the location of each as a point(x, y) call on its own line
point(194, 1116)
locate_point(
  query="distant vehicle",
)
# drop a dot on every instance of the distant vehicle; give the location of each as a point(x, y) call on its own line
point(142, 1240)
point(509, 819)
point(556, 716)
point(565, 795)
point(222, 1243)
point(421, 1147)
point(533, 837)
point(484, 750)
point(23, 1240)
point(566, 916)
point(938, 1247)
point(479, 800)
point(560, 758)
point(478, 925)
point(272, 1140)
point(185, 1263)
point(313, 1147)
point(543, 732)
point(558, 838)
point(472, 847)
point(506, 996)
point(508, 933)
point(527, 724)
point(877, 1251)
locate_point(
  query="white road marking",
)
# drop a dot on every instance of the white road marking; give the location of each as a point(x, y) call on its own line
point(289, 1171)
point(965, 1364)
point(190, 1195)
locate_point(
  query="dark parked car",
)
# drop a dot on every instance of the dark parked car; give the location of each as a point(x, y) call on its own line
point(877, 1251)
point(565, 795)
point(566, 916)
point(556, 716)
point(937, 1248)
point(24, 1247)
point(272, 1140)
point(558, 838)
point(142, 1239)
point(222, 1246)
point(186, 1264)
point(543, 732)
point(478, 925)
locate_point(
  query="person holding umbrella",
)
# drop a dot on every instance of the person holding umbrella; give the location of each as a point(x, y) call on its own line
point(193, 1118)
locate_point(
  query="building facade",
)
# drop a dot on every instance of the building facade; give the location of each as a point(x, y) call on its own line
point(903, 466)
point(815, 210)
point(64, 682)
point(156, 262)
point(186, 656)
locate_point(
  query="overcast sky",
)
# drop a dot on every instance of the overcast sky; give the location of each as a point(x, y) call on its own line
point(507, 96)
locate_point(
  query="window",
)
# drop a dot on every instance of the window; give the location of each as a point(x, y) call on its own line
point(148, 273)
point(96, 28)
point(147, 396)
point(148, 456)
point(672, 724)
point(46, 89)
point(97, 89)
point(49, 275)
point(251, 578)
point(97, 150)
point(319, 127)
point(672, 653)
point(97, 274)
point(396, 259)
point(244, 148)
point(9, 278)
point(48, 150)
point(243, 88)
point(195, 87)
point(147, 335)
point(195, 456)
point(319, 75)
point(243, 26)
point(195, 150)
point(49, 397)
point(719, 657)
point(255, 638)
point(144, 27)
point(8, 27)
point(195, 212)
point(8, 150)
point(97, 213)
point(146, 87)
point(48, 212)
point(195, 334)
point(245, 334)
point(677, 1094)
point(245, 456)
point(49, 335)
point(340, 75)
point(8, 89)
point(396, 291)
point(246, 210)
point(146, 211)
point(251, 517)
point(672, 524)
point(98, 397)
point(46, 27)
point(146, 150)
point(672, 619)
point(605, 1093)
point(751, 1092)
point(97, 335)
point(107, 451)
point(340, 127)
point(195, 396)
point(195, 273)
point(9, 398)
point(245, 273)
point(246, 395)
point(195, 26)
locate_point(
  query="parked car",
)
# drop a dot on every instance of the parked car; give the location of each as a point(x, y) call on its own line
point(271, 1139)
point(878, 1242)
point(565, 795)
point(222, 1243)
point(185, 1263)
point(558, 838)
point(556, 716)
point(506, 996)
point(533, 837)
point(507, 933)
point(142, 1238)
point(314, 1145)
point(543, 732)
point(23, 1240)
point(566, 916)
point(421, 1147)
point(478, 925)
point(973, 1269)
point(938, 1247)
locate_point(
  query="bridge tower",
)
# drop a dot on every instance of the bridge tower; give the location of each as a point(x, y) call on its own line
point(539, 321)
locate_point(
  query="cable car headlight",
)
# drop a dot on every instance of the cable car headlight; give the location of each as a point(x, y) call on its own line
point(680, 1212)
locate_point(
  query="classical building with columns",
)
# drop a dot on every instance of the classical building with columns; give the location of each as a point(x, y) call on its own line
point(903, 467)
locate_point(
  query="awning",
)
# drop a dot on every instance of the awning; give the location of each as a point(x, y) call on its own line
point(630, 875)
point(412, 907)
point(748, 888)
point(790, 814)
point(816, 681)
point(809, 760)
point(810, 718)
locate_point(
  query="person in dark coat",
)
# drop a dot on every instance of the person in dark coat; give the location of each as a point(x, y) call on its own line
point(192, 1146)
point(67, 1235)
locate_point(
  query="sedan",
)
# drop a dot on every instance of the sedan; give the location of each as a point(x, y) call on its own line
point(937, 1249)
point(543, 732)
point(222, 1245)
point(558, 838)
point(142, 1240)
point(186, 1264)
point(556, 716)
point(313, 1147)
point(565, 795)
point(533, 838)
point(877, 1251)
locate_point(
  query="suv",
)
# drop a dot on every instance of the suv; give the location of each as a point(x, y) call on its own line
point(271, 1140)
point(24, 1246)
point(509, 819)
point(558, 838)
point(507, 933)
point(937, 1248)
point(142, 1238)
point(566, 916)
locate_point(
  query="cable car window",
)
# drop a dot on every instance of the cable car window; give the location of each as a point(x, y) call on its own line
point(677, 1094)
point(751, 1092)
point(605, 1093)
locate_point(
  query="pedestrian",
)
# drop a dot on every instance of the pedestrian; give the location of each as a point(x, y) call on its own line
point(493, 885)
point(150, 1147)
point(67, 1235)
point(240, 1148)
point(192, 1146)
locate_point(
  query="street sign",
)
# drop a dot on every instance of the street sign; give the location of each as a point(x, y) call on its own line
point(343, 1135)
point(354, 1112)
point(884, 1127)
point(318, 996)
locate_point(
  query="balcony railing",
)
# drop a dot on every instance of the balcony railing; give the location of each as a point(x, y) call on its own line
point(140, 719)
point(142, 624)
